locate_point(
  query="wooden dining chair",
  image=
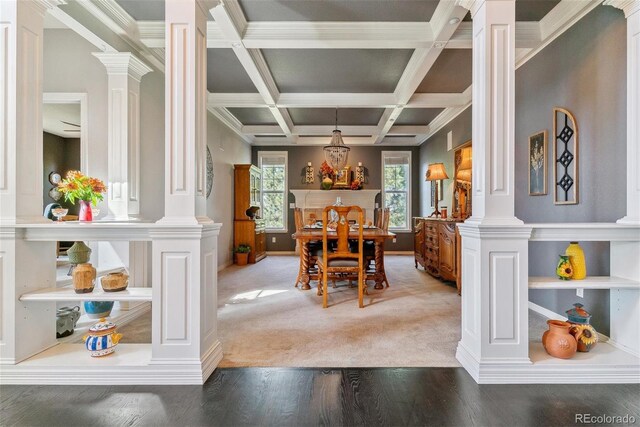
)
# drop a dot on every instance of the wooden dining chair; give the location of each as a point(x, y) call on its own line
point(342, 260)
point(314, 246)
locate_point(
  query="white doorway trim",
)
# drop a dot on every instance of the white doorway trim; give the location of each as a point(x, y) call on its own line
point(75, 98)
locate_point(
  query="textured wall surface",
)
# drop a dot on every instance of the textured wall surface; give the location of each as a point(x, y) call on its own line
point(371, 158)
point(583, 71)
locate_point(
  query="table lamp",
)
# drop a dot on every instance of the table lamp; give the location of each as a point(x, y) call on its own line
point(463, 178)
point(436, 172)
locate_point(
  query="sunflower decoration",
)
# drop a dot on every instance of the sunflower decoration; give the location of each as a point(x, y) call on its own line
point(564, 270)
point(586, 336)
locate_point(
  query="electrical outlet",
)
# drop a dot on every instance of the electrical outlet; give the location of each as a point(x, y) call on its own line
point(394, 240)
point(580, 292)
point(273, 240)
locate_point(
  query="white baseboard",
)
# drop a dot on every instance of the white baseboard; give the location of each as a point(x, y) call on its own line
point(225, 264)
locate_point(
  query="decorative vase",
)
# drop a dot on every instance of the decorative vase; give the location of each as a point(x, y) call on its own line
point(98, 309)
point(114, 282)
point(576, 256)
point(581, 329)
point(327, 183)
point(66, 320)
point(564, 270)
point(102, 338)
point(79, 253)
point(84, 276)
point(85, 214)
point(557, 341)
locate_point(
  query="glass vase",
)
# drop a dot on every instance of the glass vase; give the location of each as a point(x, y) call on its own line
point(85, 211)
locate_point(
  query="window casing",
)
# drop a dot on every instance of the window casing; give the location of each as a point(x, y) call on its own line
point(396, 188)
point(273, 194)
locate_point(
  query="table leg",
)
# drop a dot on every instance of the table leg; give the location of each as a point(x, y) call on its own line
point(379, 260)
point(304, 265)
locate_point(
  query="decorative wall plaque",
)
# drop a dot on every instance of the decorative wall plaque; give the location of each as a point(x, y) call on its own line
point(565, 154)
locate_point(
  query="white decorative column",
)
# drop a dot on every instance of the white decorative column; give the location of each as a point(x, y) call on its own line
point(184, 248)
point(125, 72)
point(24, 266)
point(631, 9)
point(494, 241)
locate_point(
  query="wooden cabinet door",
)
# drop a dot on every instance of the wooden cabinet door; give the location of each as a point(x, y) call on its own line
point(447, 252)
point(418, 243)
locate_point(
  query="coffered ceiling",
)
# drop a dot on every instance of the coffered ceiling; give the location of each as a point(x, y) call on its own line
point(397, 70)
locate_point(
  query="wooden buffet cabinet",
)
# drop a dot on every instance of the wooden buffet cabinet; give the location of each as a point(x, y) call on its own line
point(248, 228)
point(436, 248)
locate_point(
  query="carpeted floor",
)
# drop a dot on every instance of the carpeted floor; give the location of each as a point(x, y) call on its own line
point(264, 321)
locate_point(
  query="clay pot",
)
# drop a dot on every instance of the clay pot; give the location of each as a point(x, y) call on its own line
point(557, 341)
point(586, 337)
point(114, 282)
point(79, 253)
point(84, 276)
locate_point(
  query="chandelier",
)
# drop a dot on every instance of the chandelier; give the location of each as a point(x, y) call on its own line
point(336, 153)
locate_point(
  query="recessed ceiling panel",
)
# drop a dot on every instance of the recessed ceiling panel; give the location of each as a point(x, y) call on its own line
point(327, 116)
point(451, 73)
point(339, 10)
point(253, 116)
point(144, 10)
point(533, 10)
point(226, 74)
point(417, 116)
point(337, 70)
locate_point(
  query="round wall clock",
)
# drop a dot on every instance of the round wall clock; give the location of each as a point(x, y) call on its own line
point(55, 178)
point(55, 194)
point(209, 173)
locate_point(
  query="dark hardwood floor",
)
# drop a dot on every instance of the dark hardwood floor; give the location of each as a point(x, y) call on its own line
point(297, 397)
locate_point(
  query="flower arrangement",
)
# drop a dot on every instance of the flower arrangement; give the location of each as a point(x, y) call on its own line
point(326, 170)
point(356, 184)
point(77, 186)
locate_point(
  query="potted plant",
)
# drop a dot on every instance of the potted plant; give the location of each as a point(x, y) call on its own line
point(242, 254)
point(88, 190)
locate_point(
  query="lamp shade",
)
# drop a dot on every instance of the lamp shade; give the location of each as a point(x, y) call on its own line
point(465, 159)
point(464, 175)
point(336, 153)
point(436, 172)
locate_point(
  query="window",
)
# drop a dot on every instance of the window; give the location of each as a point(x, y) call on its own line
point(273, 165)
point(396, 188)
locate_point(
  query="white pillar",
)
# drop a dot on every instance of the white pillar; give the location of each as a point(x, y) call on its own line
point(24, 266)
point(494, 241)
point(125, 72)
point(185, 111)
point(631, 10)
point(184, 248)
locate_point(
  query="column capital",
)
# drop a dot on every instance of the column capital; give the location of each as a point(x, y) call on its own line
point(123, 63)
point(629, 7)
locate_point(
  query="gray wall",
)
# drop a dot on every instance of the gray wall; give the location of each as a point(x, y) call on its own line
point(584, 71)
point(59, 155)
point(371, 158)
point(434, 150)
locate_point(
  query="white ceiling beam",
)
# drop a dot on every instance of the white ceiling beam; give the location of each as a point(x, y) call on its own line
point(232, 24)
point(230, 121)
point(337, 100)
point(325, 130)
point(444, 117)
point(324, 140)
point(336, 35)
point(442, 28)
point(556, 22)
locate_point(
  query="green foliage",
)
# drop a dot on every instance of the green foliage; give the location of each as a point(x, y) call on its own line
point(273, 193)
point(396, 188)
point(242, 249)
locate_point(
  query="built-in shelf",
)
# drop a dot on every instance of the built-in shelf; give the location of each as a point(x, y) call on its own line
point(69, 294)
point(584, 231)
point(592, 282)
point(602, 355)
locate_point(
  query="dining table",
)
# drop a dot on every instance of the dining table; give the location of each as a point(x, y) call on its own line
point(314, 233)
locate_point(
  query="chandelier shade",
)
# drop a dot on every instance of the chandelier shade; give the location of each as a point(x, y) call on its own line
point(336, 153)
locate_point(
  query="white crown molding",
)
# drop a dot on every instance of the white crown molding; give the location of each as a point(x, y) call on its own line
point(111, 14)
point(43, 5)
point(230, 121)
point(124, 63)
point(306, 130)
point(444, 118)
point(629, 7)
